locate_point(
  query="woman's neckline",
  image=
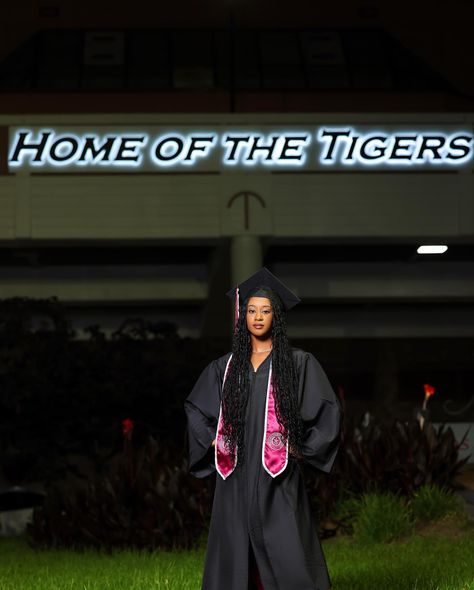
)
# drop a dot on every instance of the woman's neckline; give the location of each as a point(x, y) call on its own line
point(264, 361)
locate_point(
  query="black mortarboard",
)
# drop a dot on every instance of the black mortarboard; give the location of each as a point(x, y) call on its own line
point(265, 279)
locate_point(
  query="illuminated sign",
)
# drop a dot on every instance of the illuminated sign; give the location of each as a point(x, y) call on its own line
point(349, 147)
point(188, 149)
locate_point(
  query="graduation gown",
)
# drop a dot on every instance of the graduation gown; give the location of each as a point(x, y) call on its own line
point(253, 511)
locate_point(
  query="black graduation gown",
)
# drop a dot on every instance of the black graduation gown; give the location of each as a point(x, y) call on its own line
point(252, 506)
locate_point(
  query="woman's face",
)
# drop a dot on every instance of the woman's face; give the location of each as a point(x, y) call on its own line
point(259, 316)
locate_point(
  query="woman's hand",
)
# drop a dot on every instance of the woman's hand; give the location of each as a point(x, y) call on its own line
point(213, 443)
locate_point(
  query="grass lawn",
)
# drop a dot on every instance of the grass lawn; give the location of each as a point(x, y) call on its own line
point(437, 557)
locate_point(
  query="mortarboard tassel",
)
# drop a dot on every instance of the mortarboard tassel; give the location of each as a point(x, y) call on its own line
point(236, 314)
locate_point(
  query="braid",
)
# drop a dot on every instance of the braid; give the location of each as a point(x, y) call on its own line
point(284, 377)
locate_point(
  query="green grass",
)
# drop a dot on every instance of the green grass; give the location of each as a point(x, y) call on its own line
point(416, 562)
point(381, 518)
point(22, 568)
point(431, 502)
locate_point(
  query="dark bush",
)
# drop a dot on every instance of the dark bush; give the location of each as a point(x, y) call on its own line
point(375, 458)
point(138, 498)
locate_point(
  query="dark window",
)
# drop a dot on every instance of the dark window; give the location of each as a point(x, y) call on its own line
point(141, 59)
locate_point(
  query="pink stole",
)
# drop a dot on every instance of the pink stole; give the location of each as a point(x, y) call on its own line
point(274, 444)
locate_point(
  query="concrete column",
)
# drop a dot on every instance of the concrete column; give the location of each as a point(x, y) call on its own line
point(246, 257)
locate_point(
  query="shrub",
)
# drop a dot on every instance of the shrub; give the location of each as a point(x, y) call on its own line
point(431, 502)
point(345, 512)
point(398, 458)
point(401, 457)
point(143, 499)
point(381, 517)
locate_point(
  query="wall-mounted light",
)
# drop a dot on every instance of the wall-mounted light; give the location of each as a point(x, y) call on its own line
point(432, 249)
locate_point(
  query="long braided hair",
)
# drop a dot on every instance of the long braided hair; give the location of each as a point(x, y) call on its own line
point(284, 378)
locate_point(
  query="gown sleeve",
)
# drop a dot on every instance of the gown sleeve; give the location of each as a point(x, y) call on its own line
point(320, 410)
point(202, 413)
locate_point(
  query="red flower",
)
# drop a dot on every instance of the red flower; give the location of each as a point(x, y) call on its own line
point(429, 389)
point(127, 427)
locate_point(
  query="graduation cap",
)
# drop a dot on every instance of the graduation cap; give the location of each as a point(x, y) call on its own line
point(264, 279)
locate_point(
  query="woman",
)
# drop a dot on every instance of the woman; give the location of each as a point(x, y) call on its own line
point(251, 416)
